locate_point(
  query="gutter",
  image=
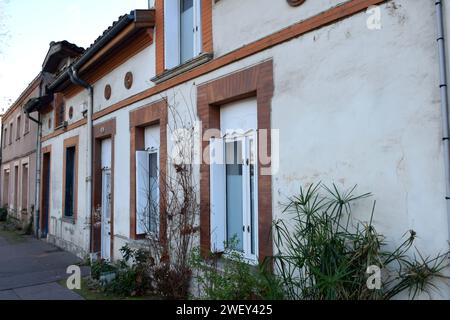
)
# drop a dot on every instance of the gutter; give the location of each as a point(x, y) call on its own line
point(37, 181)
point(78, 81)
point(443, 87)
point(72, 72)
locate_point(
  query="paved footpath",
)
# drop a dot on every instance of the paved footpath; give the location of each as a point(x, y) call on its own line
point(30, 270)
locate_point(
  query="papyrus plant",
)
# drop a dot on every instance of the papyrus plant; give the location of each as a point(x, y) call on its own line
point(324, 252)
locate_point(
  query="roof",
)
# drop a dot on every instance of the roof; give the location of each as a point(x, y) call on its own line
point(57, 52)
point(141, 18)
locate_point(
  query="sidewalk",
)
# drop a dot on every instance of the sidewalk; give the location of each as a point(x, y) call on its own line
point(30, 269)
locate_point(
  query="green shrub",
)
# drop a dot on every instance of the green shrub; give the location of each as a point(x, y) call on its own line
point(170, 283)
point(324, 253)
point(232, 278)
point(3, 214)
point(132, 274)
point(100, 266)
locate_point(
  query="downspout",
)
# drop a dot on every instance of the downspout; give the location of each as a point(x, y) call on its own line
point(76, 80)
point(37, 183)
point(444, 100)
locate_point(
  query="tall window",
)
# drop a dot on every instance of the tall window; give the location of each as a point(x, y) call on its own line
point(60, 115)
point(19, 125)
point(27, 125)
point(11, 133)
point(233, 194)
point(5, 136)
point(69, 192)
point(147, 183)
point(182, 31)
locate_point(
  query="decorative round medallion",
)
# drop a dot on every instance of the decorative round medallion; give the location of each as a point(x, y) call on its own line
point(107, 92)
point(70, 112)
point(295, 3)
point(128, 81)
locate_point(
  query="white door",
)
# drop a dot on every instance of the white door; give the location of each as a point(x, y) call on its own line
point(106, 199)
point(106, 214)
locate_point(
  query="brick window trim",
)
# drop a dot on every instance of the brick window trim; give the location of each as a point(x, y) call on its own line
point(71, 142)
point(151, 114)
point(256, 81)
point(207, 37)
point(102, 131)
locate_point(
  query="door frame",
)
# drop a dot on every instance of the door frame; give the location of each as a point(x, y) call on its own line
point(46, 151)
point(102, 131)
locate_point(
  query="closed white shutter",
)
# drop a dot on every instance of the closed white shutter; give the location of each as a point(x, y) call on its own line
point(197, 27)
point(217, 195)
point(142, 191)
point(171, 33)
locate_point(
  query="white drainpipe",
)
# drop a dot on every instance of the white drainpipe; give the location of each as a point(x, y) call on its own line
point(76, 80)
point(444, 100)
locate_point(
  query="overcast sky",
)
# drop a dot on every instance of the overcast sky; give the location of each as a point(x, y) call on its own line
point(28, 26)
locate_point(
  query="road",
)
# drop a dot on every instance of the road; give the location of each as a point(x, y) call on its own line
point(30, 269)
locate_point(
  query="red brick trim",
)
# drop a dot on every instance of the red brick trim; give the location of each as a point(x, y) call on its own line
point(154, 113)
point(71, 142)
point(325, 18)
point(159, 35)
point(102, 131)
point(207, 35)
point(256, 81)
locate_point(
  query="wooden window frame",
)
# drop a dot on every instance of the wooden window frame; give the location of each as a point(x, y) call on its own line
point(256, 81)
point(68, 143)
point(18, 125)
point(206, 32)
point(152, 114)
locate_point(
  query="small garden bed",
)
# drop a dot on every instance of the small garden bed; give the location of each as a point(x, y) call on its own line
point(90, 291)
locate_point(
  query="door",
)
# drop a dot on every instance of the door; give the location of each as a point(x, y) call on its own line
point(106, 214)
point(106, 157)
point(45, 195)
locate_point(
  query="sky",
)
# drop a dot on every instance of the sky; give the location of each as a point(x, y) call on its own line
point(28, 26)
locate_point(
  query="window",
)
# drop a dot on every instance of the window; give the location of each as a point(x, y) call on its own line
point(5, 135)
point(25, 187)
point(6, 188)
point(11, 133)
point(60, 115)
point(147, 184)
point(233, 194)
point(27, 125)
point(182, 31)
point(19, 125)
point(69, 192)
point(16, 190)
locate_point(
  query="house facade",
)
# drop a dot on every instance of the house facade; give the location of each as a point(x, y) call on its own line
point(288, 92)
point(18, 161)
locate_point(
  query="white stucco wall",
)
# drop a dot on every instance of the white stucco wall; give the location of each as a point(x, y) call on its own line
point(353, 106)
point(72, 236)
point(237, 22)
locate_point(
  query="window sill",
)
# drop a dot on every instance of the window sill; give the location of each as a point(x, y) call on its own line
point(182, 68)
point(69, 220)
point(62, 126)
